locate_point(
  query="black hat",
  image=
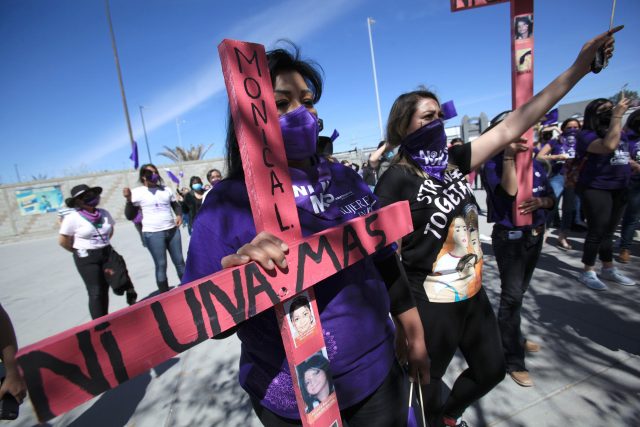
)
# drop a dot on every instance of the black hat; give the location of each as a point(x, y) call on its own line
point(78, 191)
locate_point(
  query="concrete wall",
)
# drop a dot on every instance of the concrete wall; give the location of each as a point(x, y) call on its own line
point(15, 226)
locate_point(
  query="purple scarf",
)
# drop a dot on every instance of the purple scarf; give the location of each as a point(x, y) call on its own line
point(427, 147)
point(94, 218)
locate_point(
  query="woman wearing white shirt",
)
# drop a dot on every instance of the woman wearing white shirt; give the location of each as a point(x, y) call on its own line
point(160, 227)
point(86, 232)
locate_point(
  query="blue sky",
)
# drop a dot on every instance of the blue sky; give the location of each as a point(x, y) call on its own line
point(62, 112)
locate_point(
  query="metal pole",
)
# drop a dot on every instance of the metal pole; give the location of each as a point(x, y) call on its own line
point(179, 134)
point(375, 77)
point(144, 128)
point(15, 165)
point(115, 56)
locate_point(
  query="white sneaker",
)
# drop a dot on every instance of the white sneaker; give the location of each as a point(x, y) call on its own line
point(590, 280)
point(615, 276)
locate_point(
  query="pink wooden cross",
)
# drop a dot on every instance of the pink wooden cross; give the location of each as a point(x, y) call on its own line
point(521, 86)
point(76, 365)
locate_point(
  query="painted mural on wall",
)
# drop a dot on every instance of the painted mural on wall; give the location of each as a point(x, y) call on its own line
point(32, 201)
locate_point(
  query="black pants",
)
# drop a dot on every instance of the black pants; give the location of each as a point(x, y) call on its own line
point(386, 407)
point(516, 260)
point(91, 269)
point(471, 326)
point(603, 209)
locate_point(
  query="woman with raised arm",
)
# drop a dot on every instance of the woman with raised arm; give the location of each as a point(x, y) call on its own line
point(603, 184)
point(354, 304)
point(161, 221)
point(432, 179)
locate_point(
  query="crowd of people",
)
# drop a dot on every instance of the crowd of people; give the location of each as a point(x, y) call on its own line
point(417, 301)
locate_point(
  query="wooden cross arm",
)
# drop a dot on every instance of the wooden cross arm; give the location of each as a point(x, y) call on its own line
point(73, 366)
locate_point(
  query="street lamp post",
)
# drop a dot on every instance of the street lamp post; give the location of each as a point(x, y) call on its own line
point(117, 61)
point(375, 77)
point(144, 128)
point(178, 122)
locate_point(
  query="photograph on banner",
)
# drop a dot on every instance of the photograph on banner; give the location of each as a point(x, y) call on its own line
point(316, 384)
point(457, 5)
point(40, 200)
point(301, 318)
point(524, 60)
point(523, 27)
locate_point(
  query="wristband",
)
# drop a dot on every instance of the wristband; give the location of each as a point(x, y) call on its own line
point(507, 158)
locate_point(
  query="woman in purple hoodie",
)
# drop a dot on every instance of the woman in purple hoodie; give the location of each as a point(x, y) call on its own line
point(354, 304)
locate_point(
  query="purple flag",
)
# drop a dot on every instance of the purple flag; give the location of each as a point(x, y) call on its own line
point(172, 176)
point(334, 135)
point(134, 155)
point(551, 117)
point(448, 110)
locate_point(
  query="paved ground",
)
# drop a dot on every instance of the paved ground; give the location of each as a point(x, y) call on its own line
point(588, 373)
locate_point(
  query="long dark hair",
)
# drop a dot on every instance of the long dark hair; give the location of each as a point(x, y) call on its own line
point(590, 121)
point(317, 361)
point(279, 60)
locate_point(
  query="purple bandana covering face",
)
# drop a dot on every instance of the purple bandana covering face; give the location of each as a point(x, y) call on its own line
point(428, 148)
point(300, 133)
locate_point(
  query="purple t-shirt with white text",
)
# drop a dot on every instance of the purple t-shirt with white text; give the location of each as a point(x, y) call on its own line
point(353, 304)
point(603, 171)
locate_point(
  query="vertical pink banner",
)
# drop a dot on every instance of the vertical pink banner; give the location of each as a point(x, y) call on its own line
point(257, 128)
point(522, 56)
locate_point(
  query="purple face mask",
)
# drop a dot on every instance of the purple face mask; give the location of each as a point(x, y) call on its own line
point(300, 133)
point(427, 147)
point(93, 202)
point(154, 178)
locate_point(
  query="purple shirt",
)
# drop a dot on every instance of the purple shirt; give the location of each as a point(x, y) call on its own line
point(562, 145)
point(353, 304)
point(603, 171)
point(500, 204)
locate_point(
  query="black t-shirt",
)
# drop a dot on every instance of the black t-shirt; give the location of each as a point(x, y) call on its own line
point(442, 256)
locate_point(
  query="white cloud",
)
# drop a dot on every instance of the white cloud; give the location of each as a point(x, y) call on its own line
point(293, 19)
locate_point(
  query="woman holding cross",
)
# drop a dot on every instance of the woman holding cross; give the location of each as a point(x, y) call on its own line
point(353, 304)
point(432, 178)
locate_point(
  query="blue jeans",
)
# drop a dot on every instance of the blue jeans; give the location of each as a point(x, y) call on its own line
point(158, 243)
point(631, 218)
point(557, 185)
